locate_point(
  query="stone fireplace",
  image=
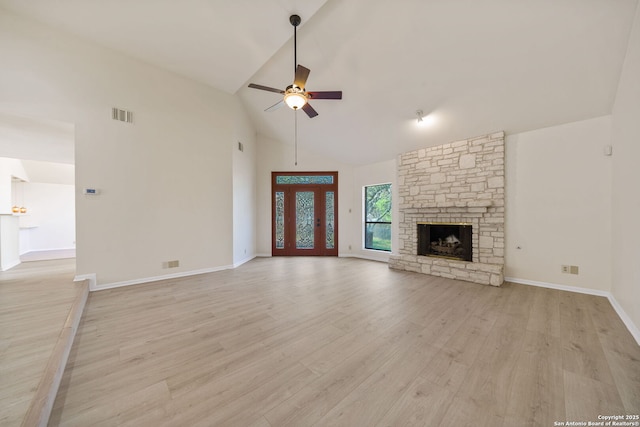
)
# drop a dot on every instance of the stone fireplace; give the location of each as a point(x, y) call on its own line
point(460, 188)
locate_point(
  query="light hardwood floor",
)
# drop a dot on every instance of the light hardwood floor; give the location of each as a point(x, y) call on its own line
point(35, 301)
point(339, 341)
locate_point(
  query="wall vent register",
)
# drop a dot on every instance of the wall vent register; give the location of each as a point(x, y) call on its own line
point(121, 115)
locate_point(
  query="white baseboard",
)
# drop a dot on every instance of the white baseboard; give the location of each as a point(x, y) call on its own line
point(10, 266)
point(625, 318)
point(575, 289)
point(99, 287)
point(244, 261)
point(48, 254)
point(27, 250)
point(633, 329)
point(90, 277)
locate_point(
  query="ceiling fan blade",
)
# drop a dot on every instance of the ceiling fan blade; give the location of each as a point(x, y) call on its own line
point(267, 88)
point(309, 110)
point(336, 94)
point(276, 105)
point(302, 73)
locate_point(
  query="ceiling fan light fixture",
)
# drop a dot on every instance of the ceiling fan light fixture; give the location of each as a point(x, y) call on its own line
point(295, 99)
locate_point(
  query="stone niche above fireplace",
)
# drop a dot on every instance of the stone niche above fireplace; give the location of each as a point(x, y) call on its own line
point(461, 183)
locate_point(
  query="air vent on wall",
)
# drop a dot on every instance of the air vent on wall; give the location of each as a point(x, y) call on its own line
point(121, 115)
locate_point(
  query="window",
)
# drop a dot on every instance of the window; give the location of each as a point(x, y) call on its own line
point(304, 179)
point(377, 217)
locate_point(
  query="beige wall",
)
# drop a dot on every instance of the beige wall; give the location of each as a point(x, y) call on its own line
point(244, 188)
point(275, 156)
point(626, 184)
point(558, 192)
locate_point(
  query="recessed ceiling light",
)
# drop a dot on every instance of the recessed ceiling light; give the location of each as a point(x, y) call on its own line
point(425, 121)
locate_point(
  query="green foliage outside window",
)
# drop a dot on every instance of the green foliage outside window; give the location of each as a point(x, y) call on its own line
point(377, 217)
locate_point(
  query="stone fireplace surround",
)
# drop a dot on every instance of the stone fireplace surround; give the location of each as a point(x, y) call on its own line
point(459, 182)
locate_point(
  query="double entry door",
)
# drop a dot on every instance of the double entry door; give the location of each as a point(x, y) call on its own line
point(304, 217)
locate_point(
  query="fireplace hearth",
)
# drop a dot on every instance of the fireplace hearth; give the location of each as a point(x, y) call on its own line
point(445, 240)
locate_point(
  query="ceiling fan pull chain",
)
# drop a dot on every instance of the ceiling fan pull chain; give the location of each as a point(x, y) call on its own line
point(295, 138)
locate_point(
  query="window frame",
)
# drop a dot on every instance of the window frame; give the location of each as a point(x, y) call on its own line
point(367, 222)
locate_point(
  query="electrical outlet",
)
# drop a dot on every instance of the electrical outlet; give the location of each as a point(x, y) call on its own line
point(171, 264)
point(569, 269)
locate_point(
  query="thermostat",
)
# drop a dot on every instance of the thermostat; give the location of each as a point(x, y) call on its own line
point(91, 191)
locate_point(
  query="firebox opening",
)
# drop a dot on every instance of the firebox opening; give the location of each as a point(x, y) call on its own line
point(445, 240)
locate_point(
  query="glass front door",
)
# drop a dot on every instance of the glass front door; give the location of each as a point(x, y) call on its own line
point(304, 213)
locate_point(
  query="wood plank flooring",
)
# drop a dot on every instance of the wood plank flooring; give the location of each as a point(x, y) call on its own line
point(35, 301)
point(344, 342)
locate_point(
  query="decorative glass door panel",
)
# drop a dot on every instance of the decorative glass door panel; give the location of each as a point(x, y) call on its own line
point(279, 220)
point(329, 220)
point(304, 213)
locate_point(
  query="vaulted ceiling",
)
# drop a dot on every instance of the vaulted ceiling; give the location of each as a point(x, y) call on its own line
point(472, 66)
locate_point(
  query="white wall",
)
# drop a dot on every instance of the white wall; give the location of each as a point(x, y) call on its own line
point(49, 223)
point(9, 168)
point(377, 173)
point(49, 172)
point(558, 192)
point(49, 197)
point(9, 242)
point(244, 189)
point(280, 157)
point(9, 223)
point(165, 181)
point(626, 182)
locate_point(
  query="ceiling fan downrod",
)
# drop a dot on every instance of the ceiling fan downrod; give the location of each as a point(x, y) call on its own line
point(295, 21)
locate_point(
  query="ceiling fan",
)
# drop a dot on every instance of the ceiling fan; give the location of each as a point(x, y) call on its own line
point(295, 95)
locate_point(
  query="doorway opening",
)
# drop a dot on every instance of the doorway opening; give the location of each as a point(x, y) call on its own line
point(38, 171)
